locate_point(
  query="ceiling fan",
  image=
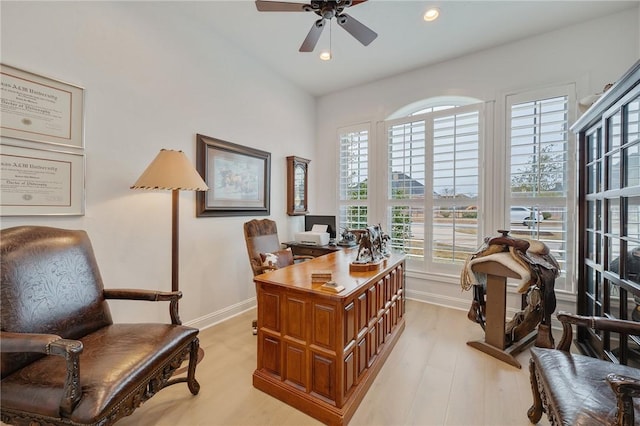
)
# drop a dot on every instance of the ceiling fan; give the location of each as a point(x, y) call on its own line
point(325, 9)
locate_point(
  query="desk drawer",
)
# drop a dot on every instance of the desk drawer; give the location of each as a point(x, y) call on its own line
point(309, 251)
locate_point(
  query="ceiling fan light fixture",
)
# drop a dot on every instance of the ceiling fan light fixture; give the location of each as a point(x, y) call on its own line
point(327, 10)
point(325, 55)
point(431, 14)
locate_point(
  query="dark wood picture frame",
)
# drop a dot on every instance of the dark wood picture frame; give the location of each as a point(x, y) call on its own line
point(297, 185)
point(238, 178)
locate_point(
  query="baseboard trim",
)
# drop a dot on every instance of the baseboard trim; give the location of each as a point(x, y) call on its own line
point(222, 315)
point(563, 304)
point(438, 299)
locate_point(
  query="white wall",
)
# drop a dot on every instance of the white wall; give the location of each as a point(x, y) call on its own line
point(153, 81)
point(591, 55)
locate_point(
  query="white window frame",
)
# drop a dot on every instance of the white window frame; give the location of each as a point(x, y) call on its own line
point(563, 283)
point(426, 263)
point(371, 181)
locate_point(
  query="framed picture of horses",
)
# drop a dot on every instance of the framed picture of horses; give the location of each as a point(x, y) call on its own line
point(238, 178)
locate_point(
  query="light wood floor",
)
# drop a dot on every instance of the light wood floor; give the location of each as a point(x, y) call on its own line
point(431, 378)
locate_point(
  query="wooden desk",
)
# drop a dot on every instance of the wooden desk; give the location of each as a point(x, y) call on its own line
point(299, 249)
point(318, 351)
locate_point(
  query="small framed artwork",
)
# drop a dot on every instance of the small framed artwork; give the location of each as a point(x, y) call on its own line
point(297, 178)
point(238, 178)
point(37, 182)
point(40, 109)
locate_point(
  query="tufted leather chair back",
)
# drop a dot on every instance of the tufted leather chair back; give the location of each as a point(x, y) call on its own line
point(50, 284)
point(261, 236)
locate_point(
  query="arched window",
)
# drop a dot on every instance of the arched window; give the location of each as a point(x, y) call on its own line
point(437, 103)
point(442, 174)
point(433, 179)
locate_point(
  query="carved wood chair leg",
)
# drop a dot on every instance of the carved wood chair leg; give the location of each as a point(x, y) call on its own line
point(193, 384)
point(535, 412)
point(544, 339)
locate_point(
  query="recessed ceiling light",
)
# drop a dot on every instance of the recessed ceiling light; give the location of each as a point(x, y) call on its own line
point(431, 14)
point(325, 55)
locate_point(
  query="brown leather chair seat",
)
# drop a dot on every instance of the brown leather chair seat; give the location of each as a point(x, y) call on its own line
point(577, 388)
point(114, 363)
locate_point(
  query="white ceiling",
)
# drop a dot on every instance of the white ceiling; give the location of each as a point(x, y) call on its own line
point(405, 41)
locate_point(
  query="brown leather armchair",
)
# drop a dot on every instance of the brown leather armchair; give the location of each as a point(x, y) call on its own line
point(64, 361)
point(575, 389)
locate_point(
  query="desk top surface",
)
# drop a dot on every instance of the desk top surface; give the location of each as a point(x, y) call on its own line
point(298, 276)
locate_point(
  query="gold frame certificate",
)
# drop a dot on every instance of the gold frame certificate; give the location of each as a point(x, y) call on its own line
point(40, 182)
point(40, 109)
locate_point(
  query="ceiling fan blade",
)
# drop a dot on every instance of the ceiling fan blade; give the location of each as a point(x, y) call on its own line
point(357, 2)
point(279, 6)
point(361, 32)
point(312, 38)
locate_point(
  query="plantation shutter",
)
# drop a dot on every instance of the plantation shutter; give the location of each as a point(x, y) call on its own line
point(539, 150)
point(433, 166)
point(354, 181)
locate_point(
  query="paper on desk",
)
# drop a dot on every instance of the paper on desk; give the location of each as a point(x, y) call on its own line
point(319, 228)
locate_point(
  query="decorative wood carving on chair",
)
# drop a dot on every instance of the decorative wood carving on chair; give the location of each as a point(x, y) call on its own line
point(53, 306)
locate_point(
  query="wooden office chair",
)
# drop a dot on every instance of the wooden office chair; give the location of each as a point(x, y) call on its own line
point(264, 249)
point(574, 389)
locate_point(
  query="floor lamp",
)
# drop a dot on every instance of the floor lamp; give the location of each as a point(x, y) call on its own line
point(171, 170)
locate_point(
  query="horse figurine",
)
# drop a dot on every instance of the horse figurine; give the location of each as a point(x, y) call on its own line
point(372, 243)
point(365, 249)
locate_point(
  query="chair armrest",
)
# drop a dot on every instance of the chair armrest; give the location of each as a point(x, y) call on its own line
point(266, 268)
point(626, 388)
point(596, 323)
point(135, 294)
point(149, 296)
point(51, 344)
point(26, 342)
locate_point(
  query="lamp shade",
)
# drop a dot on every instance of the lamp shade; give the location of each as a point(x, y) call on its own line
point(170, 170)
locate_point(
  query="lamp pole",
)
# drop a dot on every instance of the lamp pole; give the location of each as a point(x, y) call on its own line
point(175, 246)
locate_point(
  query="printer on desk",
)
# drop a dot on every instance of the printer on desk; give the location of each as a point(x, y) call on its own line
point(318, 236)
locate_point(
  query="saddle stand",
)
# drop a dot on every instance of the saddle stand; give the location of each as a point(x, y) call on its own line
point(495, 342)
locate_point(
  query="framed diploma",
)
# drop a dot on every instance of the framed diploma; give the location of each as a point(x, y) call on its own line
point(40, 182)
point(40, 109)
